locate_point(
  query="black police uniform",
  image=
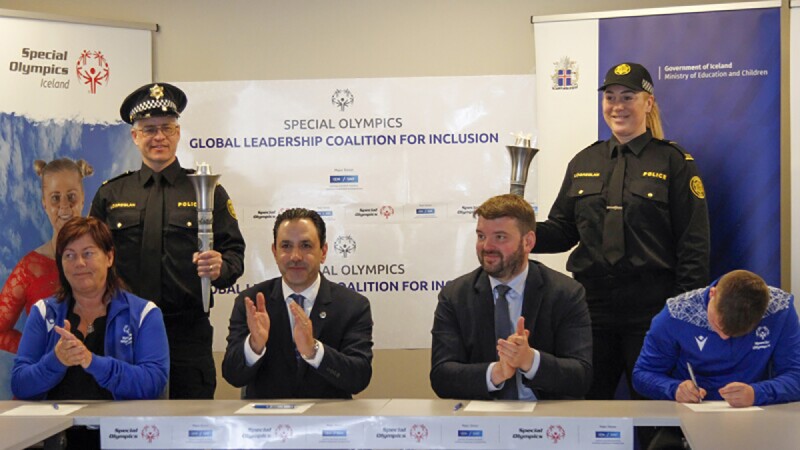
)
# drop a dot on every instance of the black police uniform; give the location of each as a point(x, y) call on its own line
point(666, 234)
point(120, 202)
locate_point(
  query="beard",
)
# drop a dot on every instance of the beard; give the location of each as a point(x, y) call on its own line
point(503, 268)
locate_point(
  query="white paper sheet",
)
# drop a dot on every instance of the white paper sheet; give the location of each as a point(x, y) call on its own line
point(43, 409)
point(718, 406)
point(493, 406)
point(274, 408)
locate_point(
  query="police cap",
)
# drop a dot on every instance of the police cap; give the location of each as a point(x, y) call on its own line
point(151, 100)
point(629, 74)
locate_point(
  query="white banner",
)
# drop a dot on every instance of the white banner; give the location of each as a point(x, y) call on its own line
point(61, 85)
point(394, 166)
point(383, 432)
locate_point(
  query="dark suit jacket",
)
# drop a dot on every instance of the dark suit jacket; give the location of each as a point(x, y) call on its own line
point(342, 322)
point(464, 341)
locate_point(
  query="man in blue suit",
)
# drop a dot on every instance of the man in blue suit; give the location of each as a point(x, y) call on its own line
point(539, 345)
point(303, 336)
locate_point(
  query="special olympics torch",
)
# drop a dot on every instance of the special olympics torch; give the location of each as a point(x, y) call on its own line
point(521, 156)
point(204, 183)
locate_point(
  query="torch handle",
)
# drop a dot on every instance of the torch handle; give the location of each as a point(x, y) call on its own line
point(205, 240)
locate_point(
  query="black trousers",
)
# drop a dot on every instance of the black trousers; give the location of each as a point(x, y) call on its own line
point(192, 374)
point(621, 310)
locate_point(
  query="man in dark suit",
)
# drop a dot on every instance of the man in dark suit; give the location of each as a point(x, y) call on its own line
point(539, 345)
point(304, 337)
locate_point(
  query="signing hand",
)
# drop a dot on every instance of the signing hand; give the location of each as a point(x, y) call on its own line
point(738, 395)
point(303, 331)
point(257, 322)
point(209, 264)
point(686, 393)
point(70, 350)
point(515, 350)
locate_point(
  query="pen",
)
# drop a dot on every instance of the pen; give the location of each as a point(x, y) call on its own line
point(261, 406)
point(458, 406)
point(694, 380)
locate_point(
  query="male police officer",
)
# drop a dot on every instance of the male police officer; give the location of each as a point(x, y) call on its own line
point(153, 215)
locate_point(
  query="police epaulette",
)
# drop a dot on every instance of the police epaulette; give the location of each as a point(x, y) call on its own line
point(118, 176)
point(675, 145)
point(595, 143)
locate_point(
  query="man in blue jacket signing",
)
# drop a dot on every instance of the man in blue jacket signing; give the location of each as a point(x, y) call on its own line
point(740, 337)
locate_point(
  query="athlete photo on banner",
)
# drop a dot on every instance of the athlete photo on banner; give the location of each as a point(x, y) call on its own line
point(60, 138)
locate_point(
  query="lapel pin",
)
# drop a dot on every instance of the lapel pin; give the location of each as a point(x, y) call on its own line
point(323, 315)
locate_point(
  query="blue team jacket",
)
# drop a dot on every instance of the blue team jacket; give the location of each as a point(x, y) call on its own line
point(136, 361)
point(768, 358)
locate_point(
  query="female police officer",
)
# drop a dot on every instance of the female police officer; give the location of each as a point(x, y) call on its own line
point(636, 207)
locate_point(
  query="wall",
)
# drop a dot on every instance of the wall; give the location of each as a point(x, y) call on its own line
point(206, 40)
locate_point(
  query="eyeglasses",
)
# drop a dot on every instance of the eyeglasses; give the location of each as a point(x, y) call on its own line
point(166, 129)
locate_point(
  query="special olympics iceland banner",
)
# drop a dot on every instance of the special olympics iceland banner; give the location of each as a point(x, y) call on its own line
point(394, 166)
point(717, 82)
point(61, 85)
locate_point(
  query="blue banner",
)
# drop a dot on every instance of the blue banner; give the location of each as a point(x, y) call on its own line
point(717, 82)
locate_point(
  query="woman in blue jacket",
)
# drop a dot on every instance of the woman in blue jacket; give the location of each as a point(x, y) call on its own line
point(92, 340)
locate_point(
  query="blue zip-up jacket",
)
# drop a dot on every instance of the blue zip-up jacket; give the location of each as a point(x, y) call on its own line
point(768, 358)
point(136, 361)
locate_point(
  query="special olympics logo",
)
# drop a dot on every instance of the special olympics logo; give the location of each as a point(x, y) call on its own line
point(92, 69)
point(387, 211)
point(344, 245)
point(762, 332)
point(284, 432)
point(342, 98)
point(556, 433)
point(419, 432)
point(150, 433)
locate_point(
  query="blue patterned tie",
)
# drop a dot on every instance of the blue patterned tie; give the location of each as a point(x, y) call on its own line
point(502, 330)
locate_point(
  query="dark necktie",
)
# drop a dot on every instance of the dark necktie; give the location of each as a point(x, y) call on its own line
point(502, 330)
point(153, 235)
point(613, 227)
point(300, 300)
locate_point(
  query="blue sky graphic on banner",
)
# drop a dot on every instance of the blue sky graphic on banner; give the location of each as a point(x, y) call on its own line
point(717, 82)
point(108, 148)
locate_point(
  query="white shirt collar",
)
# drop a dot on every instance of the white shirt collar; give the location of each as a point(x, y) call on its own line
point(517, 284)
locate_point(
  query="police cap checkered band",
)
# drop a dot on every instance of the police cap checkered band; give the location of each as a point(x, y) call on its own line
point(151, 100)
point(630, 75)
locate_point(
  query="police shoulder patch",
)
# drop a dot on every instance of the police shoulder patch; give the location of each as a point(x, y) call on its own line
point(696, 186)
point(118, 177)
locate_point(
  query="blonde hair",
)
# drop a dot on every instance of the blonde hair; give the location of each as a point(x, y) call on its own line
point(653, 121)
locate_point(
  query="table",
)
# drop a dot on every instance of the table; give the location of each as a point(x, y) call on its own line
point(21, 432)
point(777, 427)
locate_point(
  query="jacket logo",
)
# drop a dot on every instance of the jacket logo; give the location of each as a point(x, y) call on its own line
point(659, 175)
point(586, 174)
point(761, 333)
point(127, 336)
point(701, 341)
point(122, 205)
